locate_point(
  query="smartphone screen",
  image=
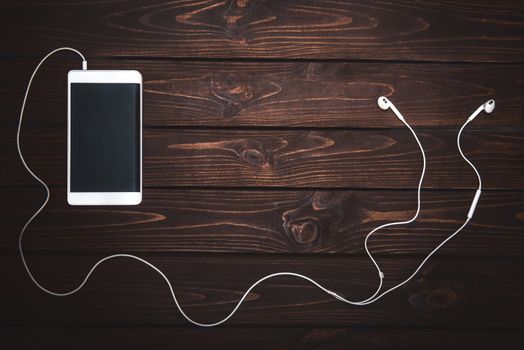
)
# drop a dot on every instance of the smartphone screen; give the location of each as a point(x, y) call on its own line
point(105, 137)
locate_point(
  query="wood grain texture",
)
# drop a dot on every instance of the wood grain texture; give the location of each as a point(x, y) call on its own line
point(403, 30)
point(283, 94)
point(447, 292)
point(265, 151)
point(292, 158)
point(298, 338)
point(257, 222)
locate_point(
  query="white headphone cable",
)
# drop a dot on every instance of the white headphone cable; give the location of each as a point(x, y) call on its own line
point(488, 107)
point(369, 300)
point(415, 216)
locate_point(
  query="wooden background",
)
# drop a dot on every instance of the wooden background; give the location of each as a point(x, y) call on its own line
point(264, 151)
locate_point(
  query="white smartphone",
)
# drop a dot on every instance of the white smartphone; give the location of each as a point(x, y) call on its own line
point(104, 137)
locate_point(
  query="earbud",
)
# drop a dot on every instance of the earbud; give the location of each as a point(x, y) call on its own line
point(384, 104)
point(487, 107)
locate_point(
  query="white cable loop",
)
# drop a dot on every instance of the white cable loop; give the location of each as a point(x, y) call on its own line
point(447, 239)
point(463, 156)
point(367, 301)
point(415, 216)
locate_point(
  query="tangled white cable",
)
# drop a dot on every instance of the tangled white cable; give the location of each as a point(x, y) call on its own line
point(383, 103)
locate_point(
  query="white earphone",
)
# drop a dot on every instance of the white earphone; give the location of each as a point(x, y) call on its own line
point(386, 104)
point(383, 103)
point(487, 107)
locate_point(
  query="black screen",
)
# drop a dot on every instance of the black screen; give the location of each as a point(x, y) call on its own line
point(105, 137)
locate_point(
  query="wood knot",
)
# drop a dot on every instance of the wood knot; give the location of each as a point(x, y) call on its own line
point(235, 93)
point(302, 230)
point(254, 156)
point(252, 152)
point(305, 232)
point(440, 298)
point(242, 3)
point(237, 33)
point(316, 223)
point(230, 110)
point(240, 91)
point(241, 15)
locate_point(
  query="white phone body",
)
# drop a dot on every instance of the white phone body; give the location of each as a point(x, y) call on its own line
point(107, 196)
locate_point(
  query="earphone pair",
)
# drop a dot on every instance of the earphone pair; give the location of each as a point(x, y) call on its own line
point(487, 107)
point(383, 103)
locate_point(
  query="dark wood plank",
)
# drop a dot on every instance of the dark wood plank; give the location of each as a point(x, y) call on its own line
point(409, 339)
point(291, 158)
point(268, 222)
point(136, 337)
point(284, 94)
point(157, 337)
point(401, 30)
point(448, 292)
